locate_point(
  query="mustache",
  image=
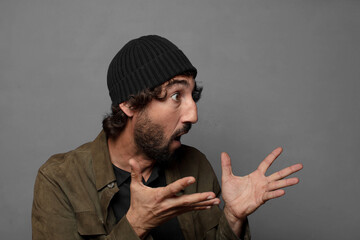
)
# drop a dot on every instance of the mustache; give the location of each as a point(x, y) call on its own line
point(185, 129)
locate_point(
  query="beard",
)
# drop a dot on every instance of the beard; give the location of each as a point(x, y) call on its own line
point(150, 139)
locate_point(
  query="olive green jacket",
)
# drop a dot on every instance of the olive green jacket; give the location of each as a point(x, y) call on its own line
point(73, 191)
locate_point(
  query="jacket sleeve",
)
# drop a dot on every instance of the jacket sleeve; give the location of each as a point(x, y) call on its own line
point(225, 232)
point(53, 217)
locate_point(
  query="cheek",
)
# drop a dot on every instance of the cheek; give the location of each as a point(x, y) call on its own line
point(168, 121)
point(165, 115)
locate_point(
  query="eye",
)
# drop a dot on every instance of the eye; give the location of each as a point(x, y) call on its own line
point(196, 94)
point(176, 96)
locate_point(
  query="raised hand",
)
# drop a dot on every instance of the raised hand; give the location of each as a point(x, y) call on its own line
point(243, 195)
point(149, 207)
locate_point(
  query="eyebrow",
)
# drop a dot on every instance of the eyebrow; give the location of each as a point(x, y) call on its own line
point(176, 82)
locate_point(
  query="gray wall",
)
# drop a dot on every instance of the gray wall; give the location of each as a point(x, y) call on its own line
point(275, 73)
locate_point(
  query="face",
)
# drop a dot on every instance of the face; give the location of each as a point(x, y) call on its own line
point(159, 127)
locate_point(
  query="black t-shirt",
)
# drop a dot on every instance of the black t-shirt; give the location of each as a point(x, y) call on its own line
point(121, 202)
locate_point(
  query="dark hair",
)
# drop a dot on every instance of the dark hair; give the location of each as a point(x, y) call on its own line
point(114, 122)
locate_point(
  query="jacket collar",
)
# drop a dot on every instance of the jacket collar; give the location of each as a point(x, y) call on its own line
point(102, 167)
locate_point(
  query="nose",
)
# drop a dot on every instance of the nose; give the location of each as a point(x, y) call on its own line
point(191, 115)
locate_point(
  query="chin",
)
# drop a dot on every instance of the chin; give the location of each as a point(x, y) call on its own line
point(174, 145)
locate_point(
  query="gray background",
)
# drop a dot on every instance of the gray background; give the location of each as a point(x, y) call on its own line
point(275, 73)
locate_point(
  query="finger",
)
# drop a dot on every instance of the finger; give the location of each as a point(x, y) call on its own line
point(285, 172)
point(226, 168)
point(193, 202)
point(195, 199)
point(176, 207)
point(266, 163)
point(273, 194)
point(175, 187)
point(200, 208)
point(193, 209)
point(204, 207)
point(211, 202)
point(282, 183)
point(136, 176)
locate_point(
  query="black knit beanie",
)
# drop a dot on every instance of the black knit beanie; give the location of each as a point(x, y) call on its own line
point(145, 62)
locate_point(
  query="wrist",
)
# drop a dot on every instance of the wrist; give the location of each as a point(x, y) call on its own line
point(233, 217)
point(236, 223)
point(137, 226)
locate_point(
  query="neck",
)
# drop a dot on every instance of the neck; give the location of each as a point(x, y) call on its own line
point(123, 148)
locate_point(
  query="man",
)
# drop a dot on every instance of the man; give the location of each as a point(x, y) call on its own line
point(136, 179)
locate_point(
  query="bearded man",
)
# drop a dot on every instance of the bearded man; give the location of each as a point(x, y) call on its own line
point(136, 180)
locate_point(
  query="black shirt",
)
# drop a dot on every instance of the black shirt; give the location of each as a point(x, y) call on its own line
point(121, 202)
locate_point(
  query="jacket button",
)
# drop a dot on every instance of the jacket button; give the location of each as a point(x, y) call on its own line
point(111, 185)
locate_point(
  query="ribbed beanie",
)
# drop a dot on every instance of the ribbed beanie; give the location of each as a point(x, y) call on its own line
point(145, 62)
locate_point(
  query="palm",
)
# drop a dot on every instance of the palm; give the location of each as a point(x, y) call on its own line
point(244, 191)
point(243, 195)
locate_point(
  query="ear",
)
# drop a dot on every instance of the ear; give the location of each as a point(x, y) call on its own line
point(127, 109)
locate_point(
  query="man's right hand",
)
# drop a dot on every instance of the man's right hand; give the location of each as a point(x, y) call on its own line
point(150, 207)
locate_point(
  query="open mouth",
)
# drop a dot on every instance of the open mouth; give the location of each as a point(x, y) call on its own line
point(181, 132)
point(177, 138)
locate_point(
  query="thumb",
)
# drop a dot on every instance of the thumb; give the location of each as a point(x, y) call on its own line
point(136, 176)
point(226, 169)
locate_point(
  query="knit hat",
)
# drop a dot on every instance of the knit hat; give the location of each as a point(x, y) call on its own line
point(145, 62)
